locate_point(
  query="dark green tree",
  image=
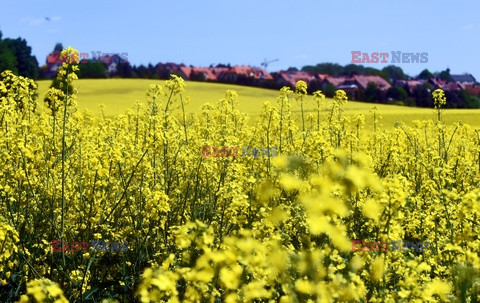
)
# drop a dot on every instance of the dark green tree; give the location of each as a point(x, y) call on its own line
point(394, 72)
point(445, 75)
point(330, 90)
point(373, 94)
point(58, 47)
point(422, 95)
point(396, 93)
point(141, 71)
point(472, 101)
point(455, 99)
point(425, 74)
point(351, 69)
point(8, 61)
point(91, 69)
point(197, 76)
point(333, 69)
point(376, 72)
point(124, 70)
point(309, 69)
point(27, 65)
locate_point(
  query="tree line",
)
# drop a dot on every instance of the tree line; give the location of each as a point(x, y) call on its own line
point(16, 55)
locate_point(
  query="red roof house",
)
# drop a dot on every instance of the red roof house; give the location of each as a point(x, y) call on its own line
point(290, 78)
point(246, 71)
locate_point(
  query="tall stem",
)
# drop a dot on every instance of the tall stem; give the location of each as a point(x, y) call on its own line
point(63, 170)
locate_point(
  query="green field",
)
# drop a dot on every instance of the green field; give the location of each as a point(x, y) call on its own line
point(118, 95)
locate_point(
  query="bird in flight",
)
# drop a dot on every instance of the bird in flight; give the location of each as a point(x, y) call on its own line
point(46, 18)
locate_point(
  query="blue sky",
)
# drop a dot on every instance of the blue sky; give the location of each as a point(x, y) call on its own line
point(246, 32)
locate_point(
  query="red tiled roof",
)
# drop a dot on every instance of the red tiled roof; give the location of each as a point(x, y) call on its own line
point(248, 71)
point(186, 71)
point(363, 81)
point(411, 84)
point(219, 70)
point(322, 77)
point(53, 58)
point(438, 82)
point(292, 77)
point(335, 80)
point(172, 67)
point(453, 86)
point(474, 90)
point(209, 76)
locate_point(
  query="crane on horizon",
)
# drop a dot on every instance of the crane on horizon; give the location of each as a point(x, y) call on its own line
point(265, 63)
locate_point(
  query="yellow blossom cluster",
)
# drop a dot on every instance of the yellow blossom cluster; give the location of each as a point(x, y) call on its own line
point(231, 229)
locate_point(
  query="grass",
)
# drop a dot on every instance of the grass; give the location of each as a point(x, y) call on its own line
point(118, 95)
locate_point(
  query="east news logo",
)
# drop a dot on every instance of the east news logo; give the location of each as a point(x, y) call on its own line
point(397, 57)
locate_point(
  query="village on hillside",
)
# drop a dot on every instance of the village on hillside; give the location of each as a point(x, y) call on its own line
point(357, 86)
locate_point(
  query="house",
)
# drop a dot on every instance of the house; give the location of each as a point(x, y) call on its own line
point(208, 74)
point(217, 71)
point(464, 79)
point(351, 84)
point(166, 69)
point(239, 71)
point(333, 80)
point(409, 85)
point(184, 72)
point(53, 62)
point(362, 81)
point(438, 83)
point(290, 78)
point(321, 77)
point(350, 90)
point(111, 62)
point(472, 90)
point(188, 73)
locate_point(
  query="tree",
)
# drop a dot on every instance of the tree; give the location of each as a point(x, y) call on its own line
point(425, 74)
point(396, 93)
point(124, 70)
point(422, 95)
point(26, 64)
point(377, 72)
point(330, 90)
point(455, 99)
point(373, 94)
point(197, 76)
point(8, 61)
point(58, 47)
point(351, 69)
point(394, 72)
point(91, 69)
point(333, 69)
point(142, 71)
point(472, 102)
point(152, 72)
point(292, 69)
point(309, 69)
point(313, 86)
point(445, 75)
point(163, 72)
